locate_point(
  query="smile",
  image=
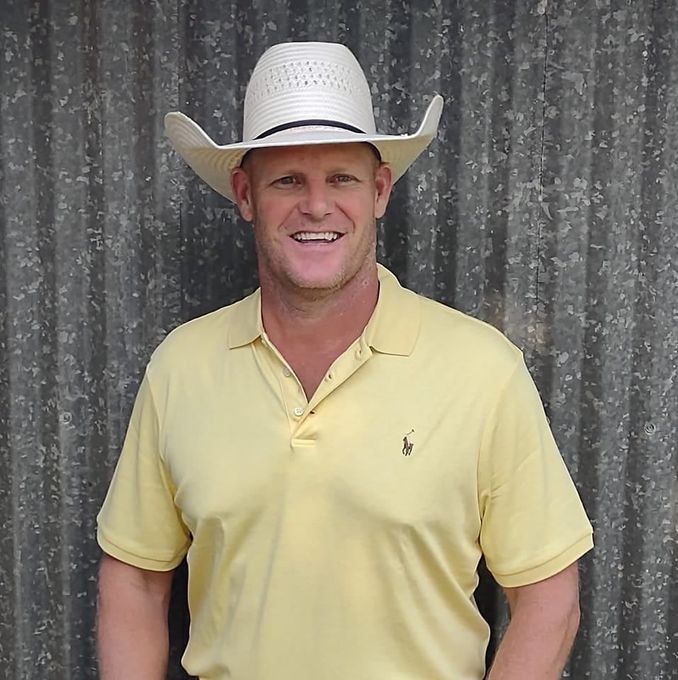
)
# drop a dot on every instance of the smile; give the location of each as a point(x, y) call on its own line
point(316, 236)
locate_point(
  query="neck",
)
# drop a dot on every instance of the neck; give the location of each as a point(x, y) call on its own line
point(323, 323)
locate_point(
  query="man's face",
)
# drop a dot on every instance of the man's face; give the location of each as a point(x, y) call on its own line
point(314, 211)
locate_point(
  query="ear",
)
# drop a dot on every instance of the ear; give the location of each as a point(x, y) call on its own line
point(383, 184)
point(241, 185)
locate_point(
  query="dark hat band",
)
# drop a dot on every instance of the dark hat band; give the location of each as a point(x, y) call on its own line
point(304, 123)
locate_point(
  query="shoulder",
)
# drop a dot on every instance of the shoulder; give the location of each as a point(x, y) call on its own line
point(447, 332)
point(198, 341)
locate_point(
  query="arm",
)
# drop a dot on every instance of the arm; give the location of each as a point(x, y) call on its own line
point(132, 632)
point(544, 622)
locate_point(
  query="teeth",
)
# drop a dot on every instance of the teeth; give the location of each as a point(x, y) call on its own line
point(315, 236)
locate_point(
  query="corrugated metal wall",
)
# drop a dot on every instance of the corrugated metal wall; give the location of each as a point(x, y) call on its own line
point(548, 206)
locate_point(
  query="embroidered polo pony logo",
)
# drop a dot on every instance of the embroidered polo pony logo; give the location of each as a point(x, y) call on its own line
point(408, 445)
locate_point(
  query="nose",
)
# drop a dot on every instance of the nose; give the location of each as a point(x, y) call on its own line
point(316, 201)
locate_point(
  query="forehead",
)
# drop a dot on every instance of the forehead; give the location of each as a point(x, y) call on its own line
point(320, 156)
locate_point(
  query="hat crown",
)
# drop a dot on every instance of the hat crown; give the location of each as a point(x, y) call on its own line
point(306, 81)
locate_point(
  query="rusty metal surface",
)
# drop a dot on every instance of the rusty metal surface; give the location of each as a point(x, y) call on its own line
point(548, 206)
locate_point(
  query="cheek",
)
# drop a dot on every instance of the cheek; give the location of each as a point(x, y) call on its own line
point(362, 212)
point(275, 212)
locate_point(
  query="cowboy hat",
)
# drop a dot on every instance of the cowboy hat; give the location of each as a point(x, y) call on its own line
point(300, 93)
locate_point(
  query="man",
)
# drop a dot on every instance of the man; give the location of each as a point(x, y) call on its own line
point(334, 453)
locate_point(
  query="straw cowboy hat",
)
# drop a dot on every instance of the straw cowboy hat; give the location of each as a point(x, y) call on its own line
point(300, 93)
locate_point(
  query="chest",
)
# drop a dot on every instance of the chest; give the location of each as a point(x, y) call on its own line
point(310, 373)
point(375, 449)
point(308, 365)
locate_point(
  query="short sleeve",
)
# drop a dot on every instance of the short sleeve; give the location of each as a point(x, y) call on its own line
point(139, 523)
point(533, 523)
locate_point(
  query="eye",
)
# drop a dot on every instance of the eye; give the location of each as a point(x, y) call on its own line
point(343, 179)
point(286, 181)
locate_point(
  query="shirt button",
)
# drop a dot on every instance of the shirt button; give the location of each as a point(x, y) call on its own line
point(298, 411)
point(286, 372)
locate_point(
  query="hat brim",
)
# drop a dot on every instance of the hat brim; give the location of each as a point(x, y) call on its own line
point(214, 163)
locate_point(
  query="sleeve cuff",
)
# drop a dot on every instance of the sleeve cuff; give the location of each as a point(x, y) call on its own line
point(547, 569)
point(142, 561)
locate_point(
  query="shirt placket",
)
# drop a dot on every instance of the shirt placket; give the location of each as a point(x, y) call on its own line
point(297, 407)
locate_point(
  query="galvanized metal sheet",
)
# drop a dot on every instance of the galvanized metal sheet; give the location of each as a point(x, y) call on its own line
point(547, 206)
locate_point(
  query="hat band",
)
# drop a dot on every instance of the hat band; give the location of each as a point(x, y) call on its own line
point(304, 123)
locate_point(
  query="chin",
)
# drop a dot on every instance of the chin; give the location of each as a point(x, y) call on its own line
point(318, 277)
point(317, 283)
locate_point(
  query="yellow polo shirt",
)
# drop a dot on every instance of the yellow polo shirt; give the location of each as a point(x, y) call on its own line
point(339, 537)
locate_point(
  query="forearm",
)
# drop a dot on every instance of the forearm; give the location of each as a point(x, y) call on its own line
point(132, 632)
point(544, 623)
point(534, 648)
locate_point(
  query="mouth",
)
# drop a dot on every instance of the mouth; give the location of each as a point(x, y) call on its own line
point(316, 236)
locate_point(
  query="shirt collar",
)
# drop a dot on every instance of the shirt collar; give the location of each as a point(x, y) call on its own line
point(392, 329)
point(394, 325)
point(245, 326)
